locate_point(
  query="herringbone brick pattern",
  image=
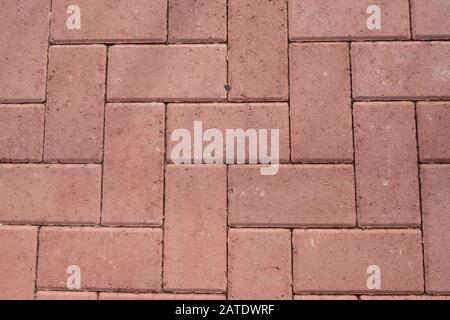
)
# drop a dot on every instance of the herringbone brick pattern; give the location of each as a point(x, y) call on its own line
point(96, 95)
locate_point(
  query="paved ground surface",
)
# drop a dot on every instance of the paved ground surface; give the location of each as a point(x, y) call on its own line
point(360, 207)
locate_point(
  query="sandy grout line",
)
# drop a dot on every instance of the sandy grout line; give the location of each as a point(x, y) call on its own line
point(163, 226)
point(37, 263)
point(420, 198)
point(43, 140)
point(104, 136)
point(47, 79)
point(286, 227)
point(290, 136)
point(352, 102)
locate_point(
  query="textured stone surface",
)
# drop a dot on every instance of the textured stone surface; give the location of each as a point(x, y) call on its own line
point(259, 264)
point(430, 19)
point(23, 53)
point(18, 247)
point(65, 295)
point(325, 297)
point(134, 164)
point(401, 70)
point(193, 21)
point(92, 122)
point(300, 195)
point(436, 226)
point(257, 50)
point(167, 73)
point(321, 120)
point(111, 21)
point(75, 106)
point(318, 20)
point(405, 298)
point(337, 261)
point(386, 164)
point(108, 258)
point(50, 194)
point(252, 116)
point(159, 296)
point(433, 122)
point(21, 133)
point(195, 237)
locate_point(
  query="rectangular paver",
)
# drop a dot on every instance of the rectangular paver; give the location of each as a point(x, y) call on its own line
point(109, 21)
point(321, 119)
point(299, 195)
point(50, 194)
point(405, 298)
point(259, 264)
point(158, 296)
point(436, 226)
point(134, 164)
point(75, 106)
point(21, 132)
point(195, 228)
point(344, 261)
point(23, 54)
point(107, 258)
point(430, 19)
point(386, 164)
point(433, 125)
point(252, 118)
point(258, 50)
point(18, 247)
point(167, 73)
point(318, 20)
point(197, 21)
point(65, 295)
point(325, 297)
point(401, 70)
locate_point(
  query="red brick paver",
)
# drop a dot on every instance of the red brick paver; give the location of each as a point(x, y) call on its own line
point(50, 194)
point(433, 125)
point(321, 120)
point(133, 187)
point(243, 116)
point(327, 261)
point(158, 296)
point(257, 50)
point(18, 246)
point(108, 258)
point(386, 164)
point(318, 20)
point(404, 298)
point(60, 295)
point(224, 149)
point(133, 21)
point(195, 229)
point(325, 297)
point(430, 19)
point(436, 206)
point(23, 53)
point(76, 95)
point(201, 21)
point(21, 133)
point(401, 70)
point(259, 264)
point(167, 73)
point(299, 195)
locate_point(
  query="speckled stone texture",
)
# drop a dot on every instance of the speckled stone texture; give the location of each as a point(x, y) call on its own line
point(349, 99)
